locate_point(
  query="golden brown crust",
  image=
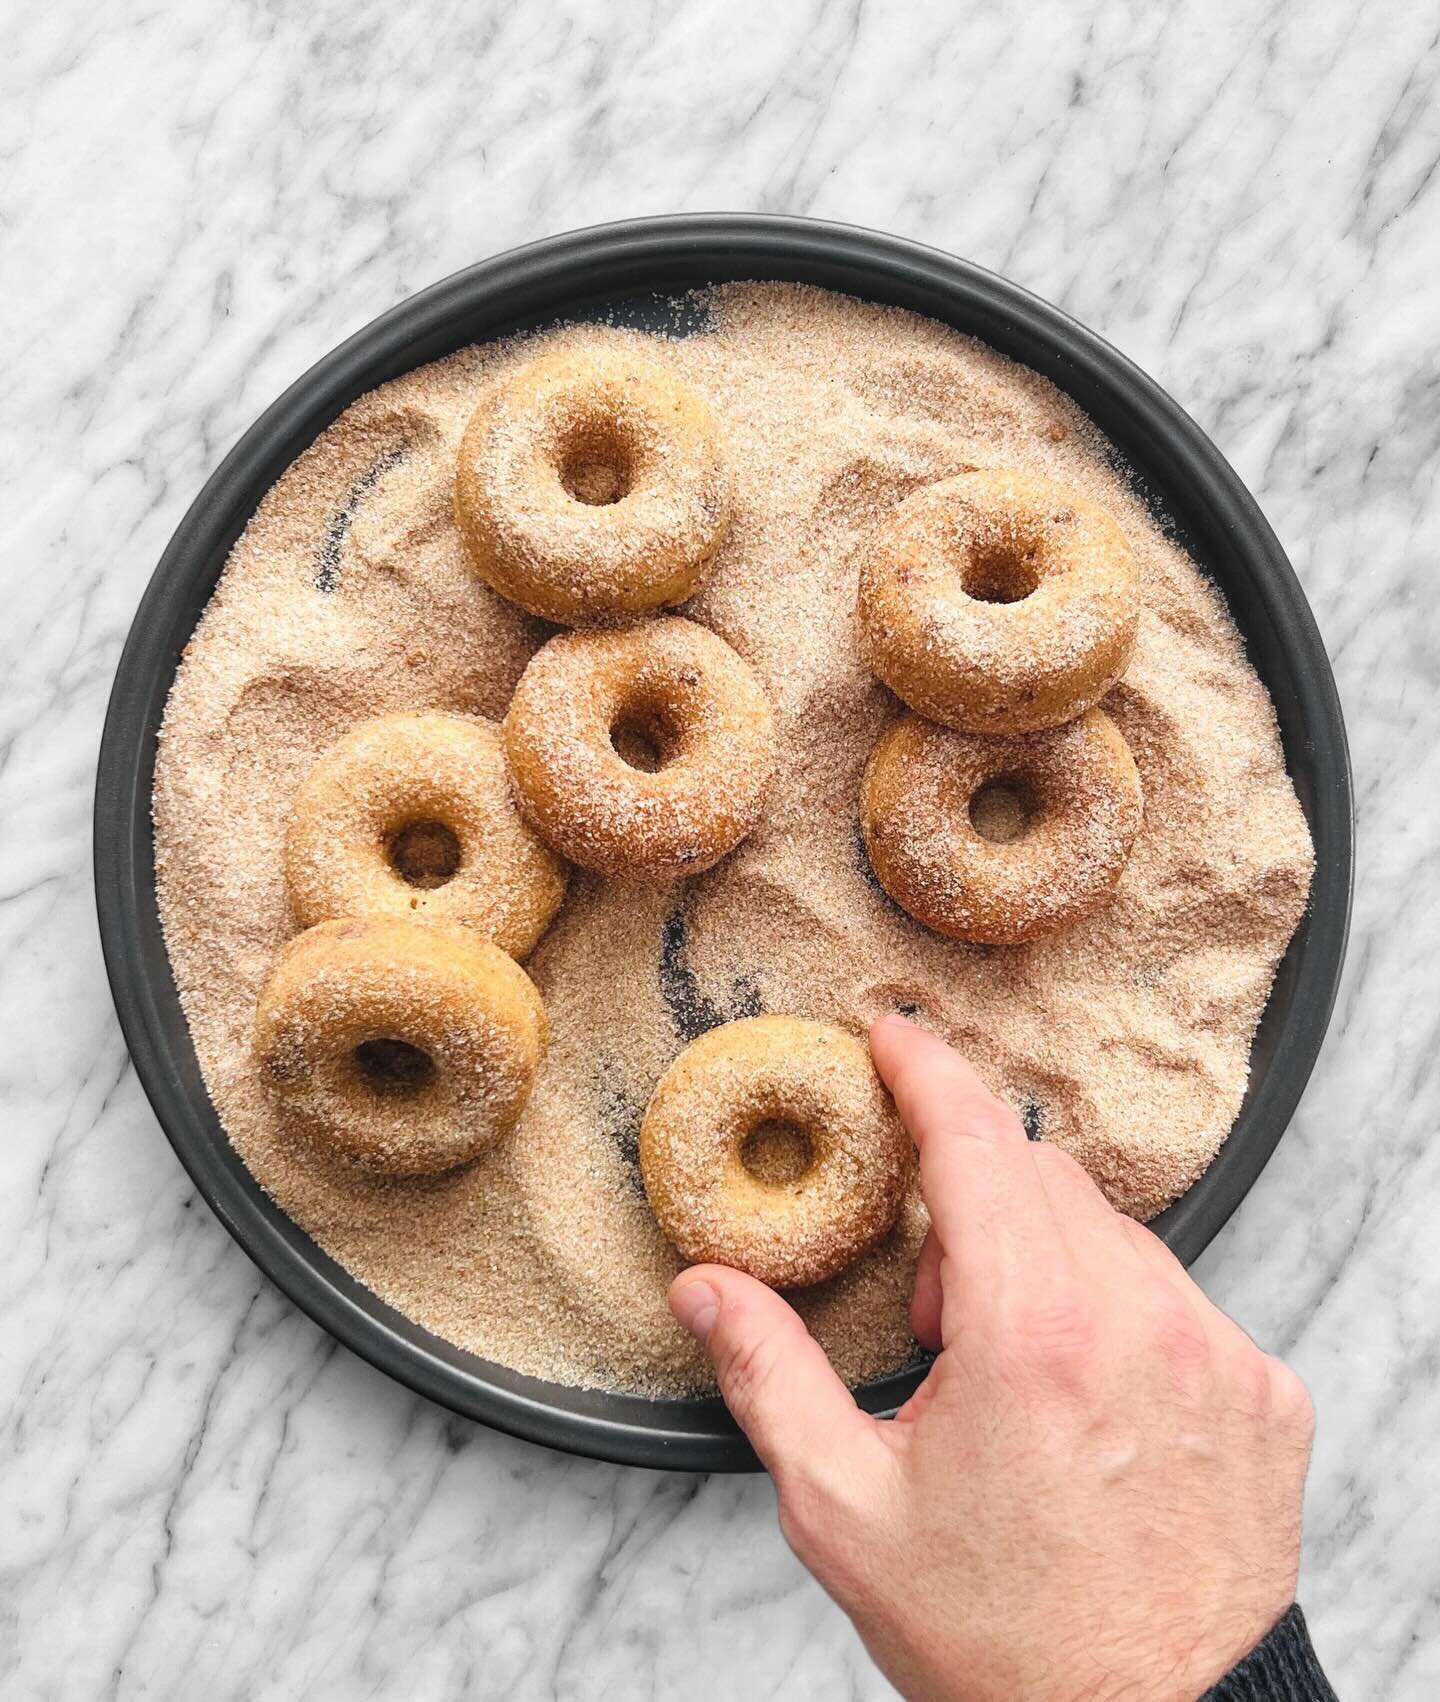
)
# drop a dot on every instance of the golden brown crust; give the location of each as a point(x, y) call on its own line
point(590, 487)
point(405, 1047)
point(393, 779)
point(680, 688)
point(812, 1077)
point(999, 602)
point(1075, 796)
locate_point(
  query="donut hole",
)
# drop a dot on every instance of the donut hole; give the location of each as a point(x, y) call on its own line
point(394, 1069)
point(638, 744)
point(777, 1153)
point(597, 466)
point(1000, 573)
point(1003, 809)
point(644, 736)
point(424, 854)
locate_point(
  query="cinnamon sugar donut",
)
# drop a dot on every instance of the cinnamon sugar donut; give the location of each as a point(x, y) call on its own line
point(590, 487)
point(999, 602)
point(697, 733)
point(410, 816)
point(770, 1145)
point(405, 1047)
point(1000, 840)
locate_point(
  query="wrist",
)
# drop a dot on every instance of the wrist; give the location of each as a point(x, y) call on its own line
point(1282, 1667)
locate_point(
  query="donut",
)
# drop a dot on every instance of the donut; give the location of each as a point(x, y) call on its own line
point(770, 1145)
point(410, 816)
point(590, 487)
point(696, 733)
point(998, 602)
point(404, 1046)
point(1000, 840)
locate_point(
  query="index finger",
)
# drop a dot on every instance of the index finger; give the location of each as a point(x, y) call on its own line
point(986, 1199)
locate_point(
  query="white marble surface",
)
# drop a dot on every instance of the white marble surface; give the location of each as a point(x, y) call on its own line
point(199, 1494)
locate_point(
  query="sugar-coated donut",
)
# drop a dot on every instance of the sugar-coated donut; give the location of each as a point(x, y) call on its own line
point(682, 696)
point(999, 602)
point(590, 487)
point(410, 816)
point(770, 1145)
point(406, 1047)
point(1000, 840)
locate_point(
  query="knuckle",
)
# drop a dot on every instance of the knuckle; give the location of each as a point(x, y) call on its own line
point(1247, 1375)
point(986, 1122)
point(1179, 1335)
point(1057, 1333)
point(1292, 1399)
point(1059, 1163)
point(745, 1370)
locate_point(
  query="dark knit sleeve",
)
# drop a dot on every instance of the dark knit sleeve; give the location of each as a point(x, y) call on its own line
point(1281, 1669)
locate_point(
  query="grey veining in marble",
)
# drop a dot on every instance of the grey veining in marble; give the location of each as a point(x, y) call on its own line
point(199, 1494)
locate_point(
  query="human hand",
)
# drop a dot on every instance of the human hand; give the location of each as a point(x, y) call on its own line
point(1095, 1493)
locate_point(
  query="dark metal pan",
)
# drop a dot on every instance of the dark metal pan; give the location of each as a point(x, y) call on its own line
point(633, 272)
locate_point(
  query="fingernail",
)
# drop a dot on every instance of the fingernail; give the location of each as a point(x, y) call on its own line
point(898, 1018)
point(696, 1307)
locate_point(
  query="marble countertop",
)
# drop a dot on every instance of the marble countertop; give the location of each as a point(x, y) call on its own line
point(200, 1494)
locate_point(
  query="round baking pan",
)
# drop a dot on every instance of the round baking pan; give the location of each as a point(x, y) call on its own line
point(633, 273)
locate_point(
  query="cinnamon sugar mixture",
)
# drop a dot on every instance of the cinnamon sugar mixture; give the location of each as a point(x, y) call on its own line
point(1125, 1039)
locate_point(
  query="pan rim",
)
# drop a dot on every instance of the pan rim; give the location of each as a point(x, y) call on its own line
point(1180, 458)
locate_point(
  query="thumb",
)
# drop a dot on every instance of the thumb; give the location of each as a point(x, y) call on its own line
point(780, 1388)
